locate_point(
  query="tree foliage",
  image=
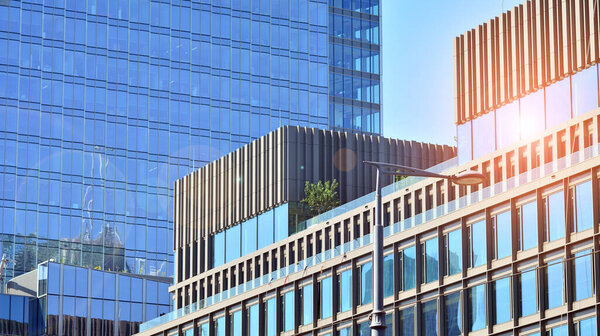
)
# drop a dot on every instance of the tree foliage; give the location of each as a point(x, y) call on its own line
point(321, 197)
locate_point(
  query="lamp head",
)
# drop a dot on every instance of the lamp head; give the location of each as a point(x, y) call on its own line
point(468, 178)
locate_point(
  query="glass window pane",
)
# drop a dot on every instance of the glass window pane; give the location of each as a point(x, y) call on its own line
point(218, 249)
point(431, 260)
point(271, 317)
point(366, 283)
point(429, 318)
point(204, 329)
point(252, 320)
point(281, 222)
point(407, 321)
point(232, 240)
point(484, 139)
point(249, 232)
point(529, 226)
point(477, 307)
point(265, 225)
point(478, 246)
point(532, 114)
point(583, 275)
point(307, 304)
point(554, 284)
point(501, 299)
point(452, 314)
point(345, 294)
point(388, 275)
point(236, 323)
point(528, 287)
point(464, 142)
point(503, 235)
point(220, 326)
point(555, 216)
point(558, 102)
point(584, 213)
point(454, 252)
point(506, 118)
point(587, 327)
point(326, 297)
point(408, 267)
point(288, 311)
point(585, 90)
point(559, 331)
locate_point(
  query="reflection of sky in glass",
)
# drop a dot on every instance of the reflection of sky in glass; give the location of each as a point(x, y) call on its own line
point(583, 275)
point(507, 124)
point(554, 278)
point(477, 307)
point(584, 210)
point(484, 135)
point(555, 216)
point(532, 114)
point(452, 314)
point(502, 299)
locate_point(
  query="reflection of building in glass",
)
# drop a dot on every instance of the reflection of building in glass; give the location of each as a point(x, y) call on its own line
point(20, 315)
point(104, 104)
point(70, 300)
point(514, 256)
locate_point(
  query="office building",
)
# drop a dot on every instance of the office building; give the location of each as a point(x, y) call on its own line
point(514, 256)
point(60, 299)
point(250, 198)
point(105, 103)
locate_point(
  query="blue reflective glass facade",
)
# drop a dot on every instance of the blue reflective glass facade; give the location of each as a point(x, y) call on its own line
point(105, 103)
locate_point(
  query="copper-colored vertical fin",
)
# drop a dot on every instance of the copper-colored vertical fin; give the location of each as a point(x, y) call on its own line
point(528, 49)
point(477, 83)
point(593, 43)
point(458, 87)
point(489, 65)
point(467, 76)
point(579, 31)
point(496, 61)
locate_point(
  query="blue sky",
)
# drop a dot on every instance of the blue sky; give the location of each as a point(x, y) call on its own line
point(417, 60)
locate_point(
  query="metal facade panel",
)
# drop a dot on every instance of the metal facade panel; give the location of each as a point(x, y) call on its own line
point(528, 47)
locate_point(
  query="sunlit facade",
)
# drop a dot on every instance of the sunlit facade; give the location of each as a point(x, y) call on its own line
point(105, 103)
point(514, 256)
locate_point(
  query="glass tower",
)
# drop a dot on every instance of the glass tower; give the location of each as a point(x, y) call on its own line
point(105, 103)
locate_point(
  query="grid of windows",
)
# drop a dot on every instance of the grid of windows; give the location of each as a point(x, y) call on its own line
point(116, 100)
point(80, 298)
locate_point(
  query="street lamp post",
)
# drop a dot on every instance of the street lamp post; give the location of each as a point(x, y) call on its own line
point(464, 178)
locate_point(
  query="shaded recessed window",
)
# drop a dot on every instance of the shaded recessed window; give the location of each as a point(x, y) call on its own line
point(477, 306)
point(452, 314)
point(429, 318)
